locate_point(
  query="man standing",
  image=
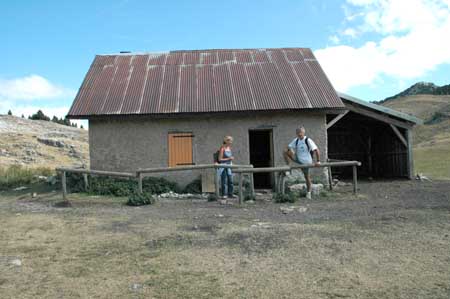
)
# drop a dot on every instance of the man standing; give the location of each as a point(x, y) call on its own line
point(301, 150)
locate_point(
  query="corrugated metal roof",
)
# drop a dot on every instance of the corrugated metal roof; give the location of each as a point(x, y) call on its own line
point(382, 109)
point(204, 81)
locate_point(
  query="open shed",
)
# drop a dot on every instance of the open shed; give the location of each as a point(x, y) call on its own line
point(379, 137)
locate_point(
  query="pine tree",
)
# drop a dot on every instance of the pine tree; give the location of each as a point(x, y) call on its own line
point(9, 112)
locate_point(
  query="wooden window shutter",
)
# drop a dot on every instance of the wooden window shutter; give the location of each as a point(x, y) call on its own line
point(180, 149)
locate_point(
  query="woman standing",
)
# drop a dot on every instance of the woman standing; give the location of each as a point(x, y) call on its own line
point(226, 157)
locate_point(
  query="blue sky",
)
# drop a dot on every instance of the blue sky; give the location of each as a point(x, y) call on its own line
point(369, 48)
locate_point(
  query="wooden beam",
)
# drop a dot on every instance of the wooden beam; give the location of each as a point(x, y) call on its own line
point(216, 183)
point(336, 119)
point(410, 154)
point(86, 182)
point(355, 180)
point(96, 172)
point(377, 116)
point(240, 175)
point(190, 167)
point(64, 185)
point(399, 135)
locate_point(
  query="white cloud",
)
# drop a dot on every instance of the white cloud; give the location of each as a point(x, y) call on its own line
point(32, 87)
point(335, 39)
point(413, 39)
point(350, 32)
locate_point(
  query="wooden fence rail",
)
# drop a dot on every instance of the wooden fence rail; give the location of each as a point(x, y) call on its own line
point(240, 170)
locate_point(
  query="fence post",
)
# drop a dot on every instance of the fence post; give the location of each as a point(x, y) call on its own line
point(216, 182)
point(355, 180)
point(86, 182)
point(240, 187)
point(252, 184)
point(330, 178)
point(64, 185)
point(139, 182)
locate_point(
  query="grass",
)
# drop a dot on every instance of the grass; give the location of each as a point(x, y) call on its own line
point(433, 162)
point(102, 249)
point(15, 176)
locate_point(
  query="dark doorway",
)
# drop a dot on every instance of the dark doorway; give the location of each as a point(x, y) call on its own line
point(261, 155)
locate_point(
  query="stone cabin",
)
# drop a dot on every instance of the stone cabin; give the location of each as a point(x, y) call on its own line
point(174, 108)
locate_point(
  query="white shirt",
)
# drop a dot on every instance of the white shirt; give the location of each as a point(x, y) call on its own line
point(301, 150)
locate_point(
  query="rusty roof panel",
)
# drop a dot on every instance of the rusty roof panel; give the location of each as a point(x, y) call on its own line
point(204, 81)
point(170, 88)
point(188, 89)
point(241, 88)
point(152, 90)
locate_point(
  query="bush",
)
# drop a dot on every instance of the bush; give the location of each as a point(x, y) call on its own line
point(212, 197)
point(136, 199)
point(194, 187)
point(16, 175)
point(101, 185)
point(282, 198)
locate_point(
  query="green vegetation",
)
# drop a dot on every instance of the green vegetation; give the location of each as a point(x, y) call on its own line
point(283, 198)
point(16, 175)
point(136, 199)
point(194, 187)
point(119, 187)
point(433, 162)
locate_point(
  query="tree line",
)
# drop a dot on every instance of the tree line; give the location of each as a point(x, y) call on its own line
point(39, 115)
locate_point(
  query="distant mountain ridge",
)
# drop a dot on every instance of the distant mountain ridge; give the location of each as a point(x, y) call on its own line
point(420, 88)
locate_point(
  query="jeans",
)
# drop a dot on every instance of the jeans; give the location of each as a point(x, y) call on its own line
point(226, 179)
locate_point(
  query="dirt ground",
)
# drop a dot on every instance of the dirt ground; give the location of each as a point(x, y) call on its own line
point(391, 241)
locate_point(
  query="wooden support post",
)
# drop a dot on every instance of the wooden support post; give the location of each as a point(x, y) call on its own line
point(355, 180)
point(410, 155)
point(399, 135)
point(86, 182)
point(216, 183)
point(336, 119)
point(64, 185)
point(240, 176)
point(139, 182)
point(252, 184)
point(330, 178)
point(283, 182)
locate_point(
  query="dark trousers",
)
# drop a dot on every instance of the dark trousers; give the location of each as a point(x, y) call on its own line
point(226, 179)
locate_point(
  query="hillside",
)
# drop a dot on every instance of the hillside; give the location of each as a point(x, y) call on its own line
point(420, 88)
point(432, 139)
point(37, 143)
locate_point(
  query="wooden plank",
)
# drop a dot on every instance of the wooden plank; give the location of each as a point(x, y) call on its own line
point(399, 135)
point(355, 180)
point(96, 172)
point(377, 116)
point(336, 119)
point(191, 167)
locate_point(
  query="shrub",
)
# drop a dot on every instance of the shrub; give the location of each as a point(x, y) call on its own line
point(194, 187)
point(136, 199)
point(212, 197)
point(101, 185)
point(249, 197)
point(16, 175)
point(282, 198)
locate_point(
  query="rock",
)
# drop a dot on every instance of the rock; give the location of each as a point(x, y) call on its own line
point(52, 180)
point(136, 286)
point(16, 262)
point(20, 188)
point(286, 210)
point(250, 201)
point(315, 188)
point(41, 177)
point(33, 195)
point(302, 209)
point(51, 142)
point(261, 225)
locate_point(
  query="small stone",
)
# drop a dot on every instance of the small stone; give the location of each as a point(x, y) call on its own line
point(20, 188)
point(136, 286)
point(302, 209)
point(34, 195)
point(16, 262)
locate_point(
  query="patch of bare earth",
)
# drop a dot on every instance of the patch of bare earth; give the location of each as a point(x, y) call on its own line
point(391, 242)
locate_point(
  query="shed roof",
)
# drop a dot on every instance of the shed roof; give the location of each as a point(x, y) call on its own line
point(381, 109)
point(204, 81)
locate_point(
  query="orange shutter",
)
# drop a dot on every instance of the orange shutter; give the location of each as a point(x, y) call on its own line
point(180, 149)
